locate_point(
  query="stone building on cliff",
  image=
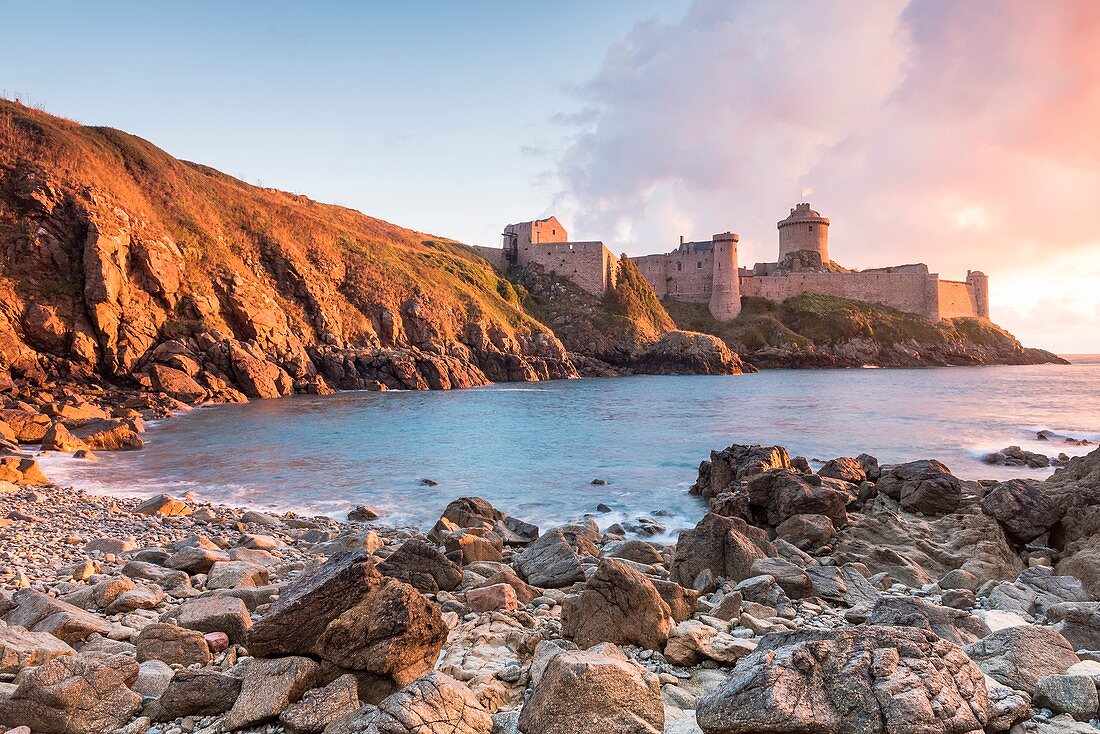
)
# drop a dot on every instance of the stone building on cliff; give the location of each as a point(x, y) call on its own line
point(708, 271)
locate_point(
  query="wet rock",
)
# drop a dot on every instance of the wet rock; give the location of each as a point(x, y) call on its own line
point(74, 695)
point(1019, 656)
point(421, 565)
point(949, 624)
point(58, 438)
point(780, 494)
point(724, 546)
point(597, 691)
point(110, 435)
point(727, 468)
point(322, 706)
point(174, 645)
point(474, 512)
point(269, 687)
point(618, 605)
point(870, 680)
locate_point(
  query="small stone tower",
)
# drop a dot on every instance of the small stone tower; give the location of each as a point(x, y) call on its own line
point(725, 289)
point(979, 283)
point(804, 229)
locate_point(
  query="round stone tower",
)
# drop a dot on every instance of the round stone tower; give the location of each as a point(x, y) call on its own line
point(725, 286)
point(804, 229)
point(979, 284)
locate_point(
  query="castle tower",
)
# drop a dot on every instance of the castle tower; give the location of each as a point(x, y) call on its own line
point(725, 290)
point(979, 283)
point(804, 229)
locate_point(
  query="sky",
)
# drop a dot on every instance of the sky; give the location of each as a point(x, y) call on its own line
point(960, 133)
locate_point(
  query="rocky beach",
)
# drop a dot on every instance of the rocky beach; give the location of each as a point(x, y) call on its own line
point(853, 598)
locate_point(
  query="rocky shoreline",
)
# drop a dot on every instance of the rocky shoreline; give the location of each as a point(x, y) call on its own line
point(857, 598)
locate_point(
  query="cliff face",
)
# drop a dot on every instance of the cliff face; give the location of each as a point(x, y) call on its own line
point(119, 261)
point(816, 331)
point(628, 331)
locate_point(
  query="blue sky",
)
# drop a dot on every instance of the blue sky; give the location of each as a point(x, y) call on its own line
point(930, 130)
point(436, 116)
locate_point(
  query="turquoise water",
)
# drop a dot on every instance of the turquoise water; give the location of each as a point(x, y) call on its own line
point(533, 449)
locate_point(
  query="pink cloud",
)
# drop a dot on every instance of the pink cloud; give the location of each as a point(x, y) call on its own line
point(962, 134)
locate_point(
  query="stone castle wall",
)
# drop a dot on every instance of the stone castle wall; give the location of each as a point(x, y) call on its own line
point(588, 264)
point(956, 299)
point(912, 292)
point(683, 275)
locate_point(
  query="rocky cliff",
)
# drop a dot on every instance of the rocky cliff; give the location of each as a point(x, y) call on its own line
point(628, 331)
point(119, 261)
point(817, 331)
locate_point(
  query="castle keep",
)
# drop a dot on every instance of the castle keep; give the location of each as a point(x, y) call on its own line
point(708, 271)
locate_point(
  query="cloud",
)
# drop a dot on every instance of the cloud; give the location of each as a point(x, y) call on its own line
point(956, 132)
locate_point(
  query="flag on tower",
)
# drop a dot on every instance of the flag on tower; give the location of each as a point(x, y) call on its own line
point(806, 191)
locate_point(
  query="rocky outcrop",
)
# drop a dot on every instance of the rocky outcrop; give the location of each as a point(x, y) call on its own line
point(687, 353)
point(867, 681)
point(618, 605)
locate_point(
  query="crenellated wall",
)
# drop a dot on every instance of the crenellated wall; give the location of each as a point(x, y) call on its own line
point(912, 292)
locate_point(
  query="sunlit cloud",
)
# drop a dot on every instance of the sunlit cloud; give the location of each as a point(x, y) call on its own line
point(930, 130)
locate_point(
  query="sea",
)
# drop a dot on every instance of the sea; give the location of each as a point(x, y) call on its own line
point(534, 449)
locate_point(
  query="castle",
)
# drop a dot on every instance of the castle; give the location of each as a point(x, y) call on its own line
point(708, 272)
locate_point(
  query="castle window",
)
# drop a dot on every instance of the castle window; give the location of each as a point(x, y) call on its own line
point(699, 265)
point(811, 228)
point(679, 266)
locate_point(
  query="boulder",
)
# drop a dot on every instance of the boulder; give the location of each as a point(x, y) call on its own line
point(38, 612)
point(474, 512)
point(806, 532)
point(1023, 508)
point(171, 644)
point(163, 504)
point(236, 575)
point(681, 602)
point(727, 468)
point(618, 605)
point(854, 680)
point(498, 597)
point(1007, 706)
point(195, 692)
point(110, 435)
point(596, 691)
point(21, 471)
point(216, 613)
point(21, 648)
point(638, 551)
point(925, 486)
point(322, 706)
point(195, 559)
point(525, 593)
point(725, 546)
point(269, 687)
point(433, 703)
point(845, 469)
point(692, 641)
point(1079, 622)
point(687, 353)
point(26, 426)
point(166, 578)
point(549, 561)
point(949, 624)
point(793, 580)
point(1019, 656)
point(1084, 565)
point(471, 545)
point(153, 679)
point(421, 565)
point(74, 695)
point(177, 384)
point(1067, 694)
point(58, 438)
point(777, 495)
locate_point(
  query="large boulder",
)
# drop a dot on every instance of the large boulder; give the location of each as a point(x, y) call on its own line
point(950, 624)
point(20, 648)
point(777, 495)
point(728, 467)
point(925, 486)
point(1079, 622)
point(550, 561)
point(1019, 656)
point(347, 613)
point(195, 692)
point(436, 702)
point(618, 605)
point(322, 706)
point(39, 612)
point(855, 680)
point(177, 384)
point(28, 427)
point(216, 613)
point(269, 687)
point(74, 695)
point(474, 512)
point(725, 546)
point(596, 691)
point(421, 565)
point(687, 353)
point(171, 644)
point(1023, 508)
point(846, 469)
